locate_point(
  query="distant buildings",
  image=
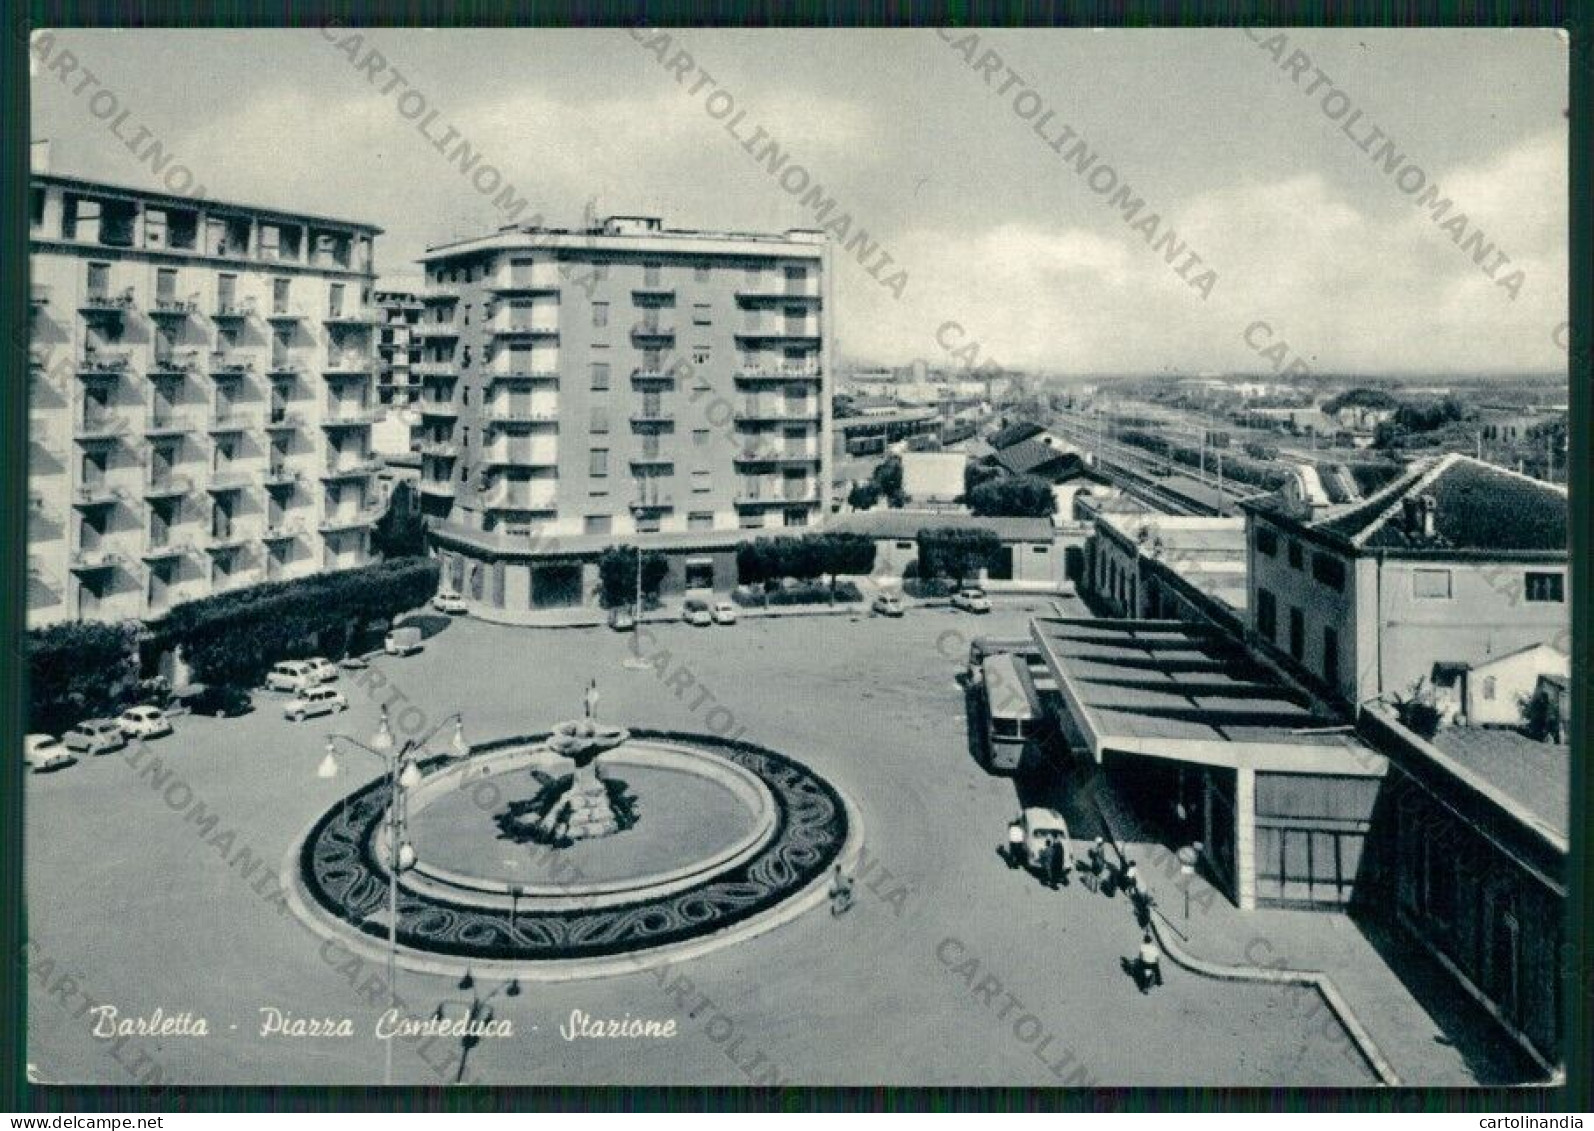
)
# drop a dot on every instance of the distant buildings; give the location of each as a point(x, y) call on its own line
point(623, 383)
point(1454, 562)
point(200, 398)
point(399, 301)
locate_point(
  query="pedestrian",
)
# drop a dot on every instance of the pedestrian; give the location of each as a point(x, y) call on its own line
point(1098, 863)
point(1056, 867)
point(1140, 898)
point(840, 893)
point(1149, 968)
point(1015, 843)
point(1128, 875)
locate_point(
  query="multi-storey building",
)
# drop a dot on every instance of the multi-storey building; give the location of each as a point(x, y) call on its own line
point(1455, 562)
point(200, 398)
point(626, 383)
point(397, 348)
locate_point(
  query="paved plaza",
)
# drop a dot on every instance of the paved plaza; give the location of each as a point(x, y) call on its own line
point(949, 968)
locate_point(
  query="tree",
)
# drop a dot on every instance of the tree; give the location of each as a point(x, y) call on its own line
point(863, 496)
point(957, 552)
point(887, 479)
point(80, 670)
point(617, 576)
point(1023, 496)
point(976, 472)
point(850, 555)
point(401, 532)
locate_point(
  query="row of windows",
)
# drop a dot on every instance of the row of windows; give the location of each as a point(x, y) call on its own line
point(652, 273)
point(1267, 626)
point(1537, 587)
point(695, 520)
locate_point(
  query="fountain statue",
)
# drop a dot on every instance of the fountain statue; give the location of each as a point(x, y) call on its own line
point(586, 810)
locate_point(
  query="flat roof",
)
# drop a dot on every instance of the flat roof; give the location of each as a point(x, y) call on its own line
point(905, 525)
point(1536, 775)
point(112, 188)
point(1189, 692)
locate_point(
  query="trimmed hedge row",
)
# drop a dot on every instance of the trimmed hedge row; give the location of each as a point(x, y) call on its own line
point(234, 638)
point(80, 670)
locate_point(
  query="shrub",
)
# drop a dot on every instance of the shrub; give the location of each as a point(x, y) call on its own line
point(933, 588)
point(80, 670)
point(1024, 496)
point(956, 552)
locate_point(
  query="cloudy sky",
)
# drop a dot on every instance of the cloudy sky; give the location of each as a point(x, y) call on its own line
point(1303, 230)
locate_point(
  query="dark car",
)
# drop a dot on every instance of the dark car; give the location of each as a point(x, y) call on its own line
point(221, 701)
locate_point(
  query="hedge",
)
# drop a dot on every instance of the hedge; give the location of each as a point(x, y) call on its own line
point(234, 638)
point(80, 670)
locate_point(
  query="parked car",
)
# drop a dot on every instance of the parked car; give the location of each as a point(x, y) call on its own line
point(888, 605)
point(971, 601)
point(95, 736)
point(723, 612)
point(447, 601)
point(43, 753)
point(622, 618)
point(352, 663)
point(402, 642)
point(291, 675)
point(1041, 828)
point(221, 701)
point(144, 722)
point(325, 670)
point(315, 701)
point(697, 613)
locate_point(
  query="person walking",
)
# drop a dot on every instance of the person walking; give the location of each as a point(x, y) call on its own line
point(1056, 864)
point(1097, 864)
point(1015, 843)
point(1149, 968)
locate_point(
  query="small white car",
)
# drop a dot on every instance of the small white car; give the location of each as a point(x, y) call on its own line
point(314, 701)
point(402, 642)
point(447, 601)
point(971, 601)
point(325, 670)
point(95, 736)
point(723, 612)
point(696, 612)
point(888, 605)
point(144, 722)
point(292, 675)
point(43, 753)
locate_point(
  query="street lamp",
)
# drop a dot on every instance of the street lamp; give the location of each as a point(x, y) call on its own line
point(635, 660)
point(403, 773)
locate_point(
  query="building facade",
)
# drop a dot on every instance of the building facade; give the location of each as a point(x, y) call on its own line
point(624, 383)
point(200, 398)
point(399, 302)
point(1455, 562)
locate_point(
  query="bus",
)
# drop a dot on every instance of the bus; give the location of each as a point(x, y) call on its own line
point(1014, 719)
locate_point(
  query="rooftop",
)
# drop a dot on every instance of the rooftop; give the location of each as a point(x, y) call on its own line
point(621, 233)
point(1014, 433)
point(1029, 456)
point(1477, 507)
point(215, 207)
point(1192, 538)
point(1536, 775)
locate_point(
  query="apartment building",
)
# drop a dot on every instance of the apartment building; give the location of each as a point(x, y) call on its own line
point(1455, 562)
point(623, 383)
point(200, 398)
point(399, 301)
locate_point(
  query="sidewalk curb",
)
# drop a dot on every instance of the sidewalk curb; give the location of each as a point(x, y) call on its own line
point(1319, 981)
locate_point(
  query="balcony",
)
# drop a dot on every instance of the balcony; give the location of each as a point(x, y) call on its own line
point(174, 309)
point(233, 310)
point(434, 331)
point(224, 365)
point(97, 494)
point(174, 365)
point(353, 316)
point(95, 560)
point(350, 365)
point(228, 479)
point(440, 450)
point(284, 421)
point(164, 547)
point(38, 296)
point(351, 519)
point(163, 422)
point(654, 503)
point(228, 423)
point(437, 293)
point(351, 469)
point(526, 328)
point(803, 294)
point(504, 373)
point(104, 363)
point(754, 412)
point(229, 537)
point(437, 488)
point(430, 407)
point(653, 460)
point(168, 486)
point(652, 293)
point(776, 453)
point(784, 332)
point(507, 283)
point(514, 413)
point(783, 375)
point(350, 417)
point(99, 427)
point(505, 499)
point(282, 530)
point(653, 415)
point(652, 333)
point(435, 369)
point(645, 375)
point(778, 497)
point(520, 455)
point(281, 475)
point(284, 367)
point(287, 315)
point(114, 306)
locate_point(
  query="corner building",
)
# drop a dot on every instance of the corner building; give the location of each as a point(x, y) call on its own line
point(626, 383)
point(199, 398)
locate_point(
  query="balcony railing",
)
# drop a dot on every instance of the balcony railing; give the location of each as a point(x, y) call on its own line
point(778, 453)
point(340, 417)
point(512, 413)
point(430, 407)
point(288, 314)
point(437, 487)
point(161, 546)
point(434, 330)
point(507, 328)
point(39, 295)
point(184, 364)
point(178, 308)
point(796, 373)
point(281, 421)
point(282, 529)
point(507, 283)
point(501, 372)
point(228, 537)
point(440, 450)
point(755, 411)
point(510, 455)
point(652, 332)
point(163, 422)
point(435, 369)
point(224, 364)
point(349, 519)
point(233, 310)
point(353, 316)
point(348, 365)
point(780, 332)
point(504, 499)
point(97, 494)
point(351, 469)
point(224, 422)
point(95, 559)
point(100, 426)
point(284, 367)
point(103, 303)
point(167, 486)
point(281, 475)
point(776, 496)
point(653, 414)
point(105, 363)
point(229, 479)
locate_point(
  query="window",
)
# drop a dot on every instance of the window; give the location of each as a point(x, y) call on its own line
point(1430, 584)
point(1267, 541)
point(702, 482)
point(700, 272)
point(280, 289)
point(600, 315)
point(648, 524)
point(335, 302)
point(166, 283)
point(1296, 557)
point(700, 437)
point(700, 355)
point(1488, 687)
point(796, 518)
point(597, 523)
point(599, 466)
point(1266, 614)
point(1331, 656)
point(270, 241)
point(600, 376)
point(755, 275)
point(700, 520)
point(650, 274)
point(700, 314)
point(1545, 587)
point(600, 420)
point(154, 228)
point(99, 278)
point(1329, 571)
point(1297, 633)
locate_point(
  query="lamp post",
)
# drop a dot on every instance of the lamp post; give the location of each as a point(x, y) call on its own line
point(635, 660)
point(399, 764)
